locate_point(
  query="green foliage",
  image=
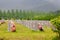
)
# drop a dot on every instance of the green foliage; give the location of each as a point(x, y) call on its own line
point(0, 14)
point(27, 15)
point(56, 22)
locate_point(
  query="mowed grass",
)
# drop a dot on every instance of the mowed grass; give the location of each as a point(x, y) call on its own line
point(23, 33)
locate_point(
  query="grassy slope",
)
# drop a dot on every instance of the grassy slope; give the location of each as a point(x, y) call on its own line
point(24, 33)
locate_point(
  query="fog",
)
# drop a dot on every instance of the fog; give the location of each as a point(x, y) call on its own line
point(42, 5)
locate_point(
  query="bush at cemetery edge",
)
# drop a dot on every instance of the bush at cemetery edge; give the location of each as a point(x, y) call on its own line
point(56, 23)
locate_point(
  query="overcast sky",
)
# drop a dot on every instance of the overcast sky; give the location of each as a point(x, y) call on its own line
point(30, 4)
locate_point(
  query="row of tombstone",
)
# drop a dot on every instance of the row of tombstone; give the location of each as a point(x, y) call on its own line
point(33, 24)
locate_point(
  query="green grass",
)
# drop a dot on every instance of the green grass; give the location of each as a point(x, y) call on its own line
point(23, 33)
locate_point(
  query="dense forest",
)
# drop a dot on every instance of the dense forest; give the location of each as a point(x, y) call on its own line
point(27, 15)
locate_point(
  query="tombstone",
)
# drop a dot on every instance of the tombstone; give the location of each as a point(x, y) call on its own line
point(9, 25)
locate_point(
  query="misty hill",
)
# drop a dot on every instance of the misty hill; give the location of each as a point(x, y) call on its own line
point(42, 5)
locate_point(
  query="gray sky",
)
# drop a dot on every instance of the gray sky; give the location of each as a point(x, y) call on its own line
point(43, 5)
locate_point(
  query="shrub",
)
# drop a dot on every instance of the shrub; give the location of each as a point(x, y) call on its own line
point(56, 23)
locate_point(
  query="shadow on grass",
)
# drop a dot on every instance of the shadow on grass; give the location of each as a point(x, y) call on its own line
point(36, 31)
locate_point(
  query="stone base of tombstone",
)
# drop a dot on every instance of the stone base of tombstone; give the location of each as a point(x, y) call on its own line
point(13, 30)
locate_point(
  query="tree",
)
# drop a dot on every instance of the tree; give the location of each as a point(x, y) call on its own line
point(20, 14)
point(0, 14)
point(4, 14)
point(8, 14)
point(17, 14)
point(13, 13)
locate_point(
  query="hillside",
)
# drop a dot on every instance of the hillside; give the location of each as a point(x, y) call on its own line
point(23, 33)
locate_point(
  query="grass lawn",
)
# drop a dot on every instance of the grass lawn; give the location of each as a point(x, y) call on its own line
point(23, 33)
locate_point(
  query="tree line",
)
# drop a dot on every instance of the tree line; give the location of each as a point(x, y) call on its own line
point(27, 15)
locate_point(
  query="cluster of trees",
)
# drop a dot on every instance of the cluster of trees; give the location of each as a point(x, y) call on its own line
point(26, 15)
